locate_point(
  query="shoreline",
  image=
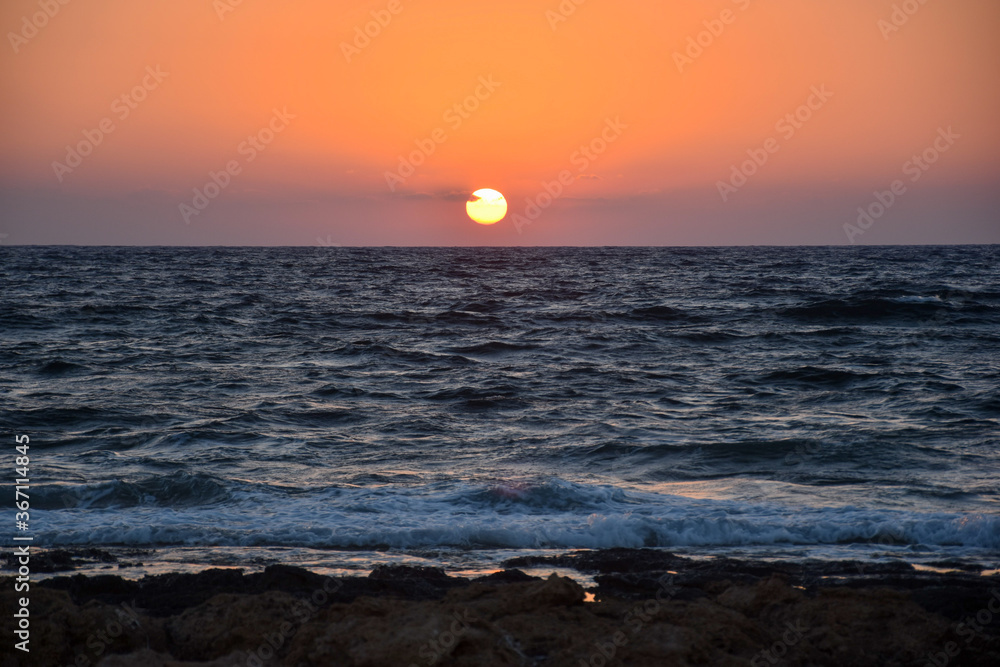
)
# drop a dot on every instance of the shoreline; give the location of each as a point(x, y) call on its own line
point(646, 607)
point(136, 562)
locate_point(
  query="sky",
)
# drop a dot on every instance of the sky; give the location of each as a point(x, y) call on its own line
point(632, 122)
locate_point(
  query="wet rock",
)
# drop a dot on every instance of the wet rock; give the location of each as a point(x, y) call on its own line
point(510, 576)
point(421, 583)
point(606, 560)
point(60, 560)
point(678, 612)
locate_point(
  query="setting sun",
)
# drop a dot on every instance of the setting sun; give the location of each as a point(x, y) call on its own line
point(486, 206)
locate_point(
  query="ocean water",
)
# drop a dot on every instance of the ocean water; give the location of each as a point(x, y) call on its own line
point(338, 407)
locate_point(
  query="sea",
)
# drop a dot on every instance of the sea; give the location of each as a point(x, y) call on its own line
point(336, 408)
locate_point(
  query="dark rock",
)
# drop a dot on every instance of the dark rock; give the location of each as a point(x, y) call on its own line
point(512, 576)
point(606, 560)
point(678, 611)
point(408, 572)
point(60, 560)
point(639, 586)
point(422, 583)
point(285, 578)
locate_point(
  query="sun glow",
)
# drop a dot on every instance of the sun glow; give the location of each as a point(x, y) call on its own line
point(486, 206)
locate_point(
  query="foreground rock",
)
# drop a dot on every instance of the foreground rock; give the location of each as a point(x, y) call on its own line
point(651, 608)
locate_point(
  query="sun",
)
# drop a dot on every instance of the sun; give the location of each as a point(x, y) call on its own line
point(486, 206)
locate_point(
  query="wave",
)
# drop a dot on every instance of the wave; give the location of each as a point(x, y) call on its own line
point(815, 376)
point(493, 347)
point(738, 453)
point(868, 308)
point(496, 396)
point(60, 367)
point(658, 313)
point(549, 514)
point(833, 372)
point(179, 489)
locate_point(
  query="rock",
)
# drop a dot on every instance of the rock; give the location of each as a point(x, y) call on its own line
point(717, 612)
point(606, 560)
point(505, 577)
point(63, 633)
point(230, 623)
point(147, 658)
point(755, 599)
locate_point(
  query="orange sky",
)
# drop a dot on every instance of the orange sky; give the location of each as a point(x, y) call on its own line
point(555, 86)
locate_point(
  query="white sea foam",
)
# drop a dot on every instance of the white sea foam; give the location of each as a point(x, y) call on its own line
point(553, 514)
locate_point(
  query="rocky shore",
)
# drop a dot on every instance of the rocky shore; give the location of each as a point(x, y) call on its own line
point(649, 608)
